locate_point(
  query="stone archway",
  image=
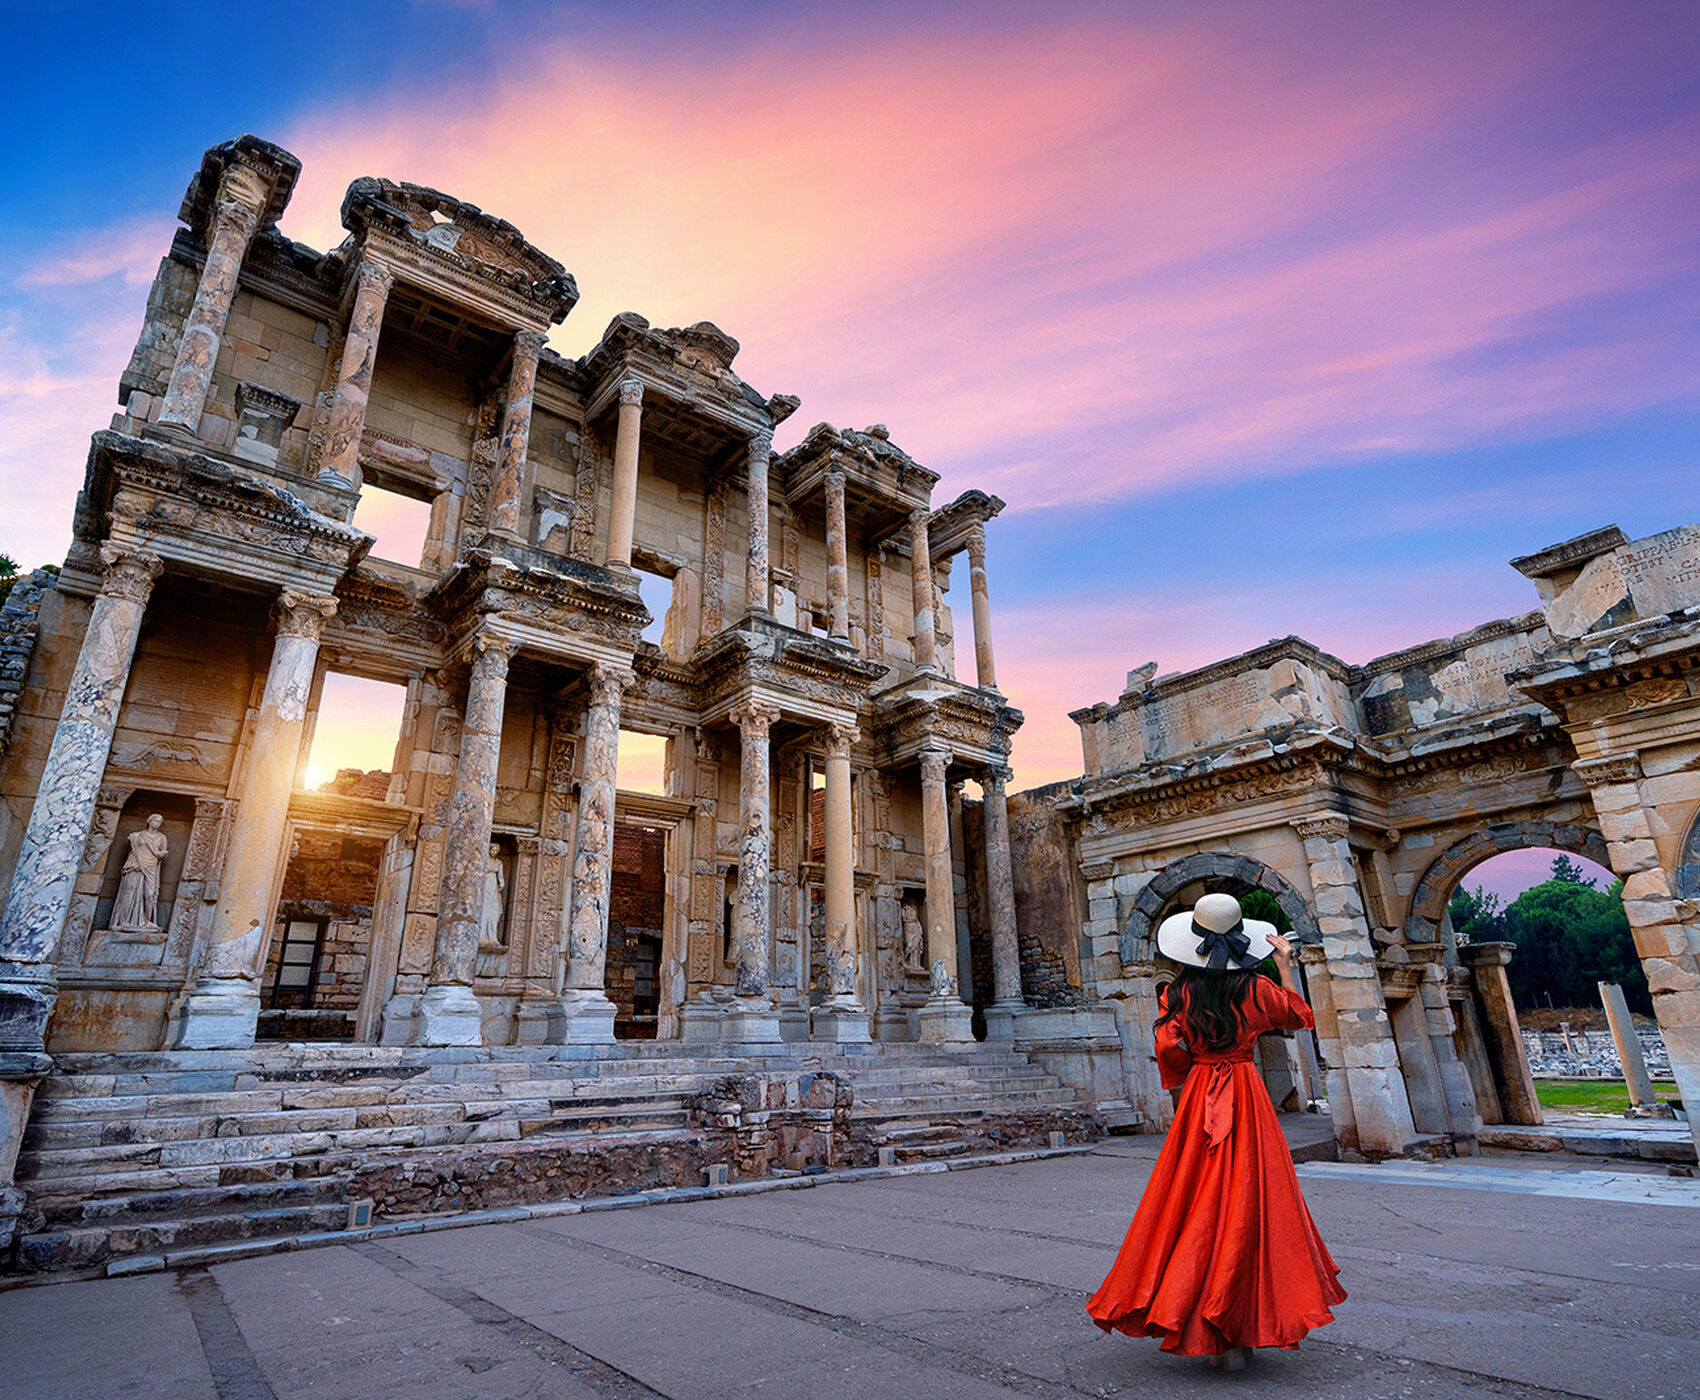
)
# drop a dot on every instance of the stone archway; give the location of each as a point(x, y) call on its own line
point(1447, 870)
point(1232, 874)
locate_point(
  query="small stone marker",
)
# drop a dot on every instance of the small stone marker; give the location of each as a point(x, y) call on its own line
point(718, 1173)
point(888, 1156)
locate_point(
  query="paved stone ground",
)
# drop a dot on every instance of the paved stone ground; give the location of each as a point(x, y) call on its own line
point(1509, 1275)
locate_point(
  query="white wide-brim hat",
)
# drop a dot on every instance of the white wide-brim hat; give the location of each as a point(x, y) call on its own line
point(1216, 936)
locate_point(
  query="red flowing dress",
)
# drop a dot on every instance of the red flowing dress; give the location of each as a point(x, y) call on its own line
point(1222, 1251)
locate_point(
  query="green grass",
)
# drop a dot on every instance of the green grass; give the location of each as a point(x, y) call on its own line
point(1593, 1095)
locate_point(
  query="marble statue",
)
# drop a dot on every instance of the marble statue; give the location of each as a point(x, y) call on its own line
point(490, 931)
point(136, 907)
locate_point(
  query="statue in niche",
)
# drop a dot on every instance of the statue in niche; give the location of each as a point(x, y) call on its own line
point(914, 941)
point(136, 908)
point(490, 918)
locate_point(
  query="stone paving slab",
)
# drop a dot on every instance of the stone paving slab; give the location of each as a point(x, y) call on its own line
point(1463, 1281)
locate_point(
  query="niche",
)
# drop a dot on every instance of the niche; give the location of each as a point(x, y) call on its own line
point(158, 853)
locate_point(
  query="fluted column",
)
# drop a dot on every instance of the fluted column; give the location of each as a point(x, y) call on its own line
point(222, 1009)
point(945, 1017)
point(242, 197)
point(586, 1013)
point(508, 494)
point(39, 897)
point(921, 573)
point(1000, 899)
point(842, 1017)
point(1381, 1109)
point(339, 464)
point(622, 516)
point(837, 558)
point(985, 670)
point(448, 1012)
point(756, 598)
point(752, 1016)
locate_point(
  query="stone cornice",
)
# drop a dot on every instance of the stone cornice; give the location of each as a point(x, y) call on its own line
point(1570, 553)
point(276, 167)
point(948, 531)
point(558, 603)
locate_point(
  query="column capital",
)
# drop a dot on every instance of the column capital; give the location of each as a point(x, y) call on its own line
point(130, 573)
point(1612, 768)
point(1312, 954)
point(1324, 826)
point(608, 682)
point(528, 345)
point(761, 445)
point(995, 778)
point(840, 739)
point(234, 214)
point(490, 649)
point(372, 274)
point(920, 517)
point(977, 544)
point(303, 614)
point(631, 391)
point(754, 719)
point(934, 762)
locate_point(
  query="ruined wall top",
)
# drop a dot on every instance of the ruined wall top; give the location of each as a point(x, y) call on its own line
point(1589, 586)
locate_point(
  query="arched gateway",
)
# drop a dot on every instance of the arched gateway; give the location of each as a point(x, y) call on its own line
point(1360, 796)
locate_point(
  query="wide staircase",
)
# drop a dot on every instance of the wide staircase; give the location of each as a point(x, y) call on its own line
point(134, 1155)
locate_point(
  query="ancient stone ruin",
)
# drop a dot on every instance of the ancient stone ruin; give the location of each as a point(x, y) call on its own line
point(495, 889)
point(1359, 797)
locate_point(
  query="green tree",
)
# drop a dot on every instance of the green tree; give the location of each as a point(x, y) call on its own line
point(1475, 915)
point(1569, 872)
point(8, 575)
point(1570, 936)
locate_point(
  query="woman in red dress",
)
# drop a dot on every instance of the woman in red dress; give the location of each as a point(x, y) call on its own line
point(1222, 1255)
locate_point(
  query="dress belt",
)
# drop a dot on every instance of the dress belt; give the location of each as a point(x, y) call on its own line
point(1219, 1095)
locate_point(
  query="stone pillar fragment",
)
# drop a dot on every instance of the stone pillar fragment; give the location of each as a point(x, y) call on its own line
point(842, 1016)
point(339, 465)
point(1000, 899)
point(586, 1013)
point(242, 197)
point(752, 1017)
point(622, 515)
point(1635, 1076)
point(837, 558)
point(1381, 1110)
point(1422, 1071)
point(39, 897)
point(1516, 1086)
point(921, 577)
point(756, 577)
point(448, 1012)
point(1463, 1117)
point(1337, 1089)
point(944, 1017)
point(985, 670)
point(223, 1008)
point(508, 494)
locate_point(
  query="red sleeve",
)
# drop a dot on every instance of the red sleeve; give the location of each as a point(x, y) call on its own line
point(1281, 1009)
point(1174, 1060)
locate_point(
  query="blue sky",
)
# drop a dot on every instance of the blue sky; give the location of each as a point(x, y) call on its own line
point(1263, 319)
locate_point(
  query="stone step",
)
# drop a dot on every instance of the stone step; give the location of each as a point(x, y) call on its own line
point(90, 1245)
point(186, 1203)
point(954, 1105)
point(926, 1152)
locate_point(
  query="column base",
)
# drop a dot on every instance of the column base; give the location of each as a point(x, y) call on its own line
point(947, 1021)
point(532, 1022)
point(582, 1017)
point(220, 1013)
point(400, 1020)
point(1000, 1019)
point(843, 1024)
point(26, 1005)
point(448, 1015)
point(750, 1023)
point(699, 1022)
point(20, 1072)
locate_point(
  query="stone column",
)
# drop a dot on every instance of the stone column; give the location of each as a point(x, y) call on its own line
point(339, 464)
point(448, 1012)
point(1463, 1117)
point(842, 1017)
point(1319, 990)
point(586, 1013)
point(223, 1007)
point(1422, 1071)
point(921, 573)
point(1516, 1086)
point(837, 558)
point(1666, 932)
point(622, 515)
point(944, 1017)
point(756, 594)
point(1000, 900)
point(752, 1017)
point(39, 897)
point(1635, 1076)
point(1381, 1110)
point(507, 496)
point(985, 670)
point(242, 197)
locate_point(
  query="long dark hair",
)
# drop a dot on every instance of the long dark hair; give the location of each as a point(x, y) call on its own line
point(1209, 1006)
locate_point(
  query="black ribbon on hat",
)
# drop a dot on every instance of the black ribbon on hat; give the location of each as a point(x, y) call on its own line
point(1218, 947)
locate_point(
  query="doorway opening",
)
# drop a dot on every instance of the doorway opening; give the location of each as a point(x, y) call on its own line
point(315, 968)
point(637, 913)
